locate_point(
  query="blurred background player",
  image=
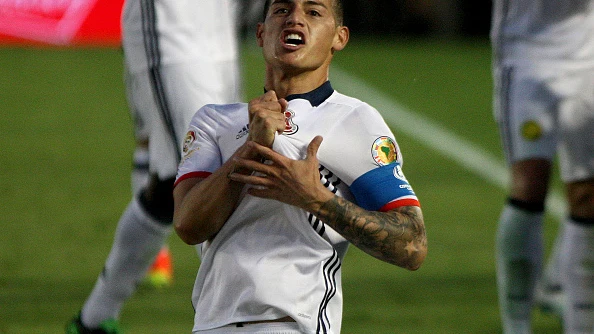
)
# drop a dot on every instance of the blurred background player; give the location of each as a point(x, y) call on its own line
point(178, 56)
point(543, 69)
point(160, 273)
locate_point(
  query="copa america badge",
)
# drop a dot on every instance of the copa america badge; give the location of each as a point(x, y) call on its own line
point(384, 151)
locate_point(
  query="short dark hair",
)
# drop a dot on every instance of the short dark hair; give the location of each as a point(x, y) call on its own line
point(338, 11)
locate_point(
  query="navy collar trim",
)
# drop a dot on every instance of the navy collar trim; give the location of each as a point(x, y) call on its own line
point(316, 96)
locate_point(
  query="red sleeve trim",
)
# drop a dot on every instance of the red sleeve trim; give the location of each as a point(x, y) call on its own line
point(398, 203)
point(202, 175)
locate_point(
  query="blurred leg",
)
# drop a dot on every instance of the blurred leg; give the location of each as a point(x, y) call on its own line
point(519, 244)
point(137, 241)
point(578, 259)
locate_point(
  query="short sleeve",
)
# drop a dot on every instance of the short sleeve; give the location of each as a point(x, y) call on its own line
point(362, 151)
point(200, 153)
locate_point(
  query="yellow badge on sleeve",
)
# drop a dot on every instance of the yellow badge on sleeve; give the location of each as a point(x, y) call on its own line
point(384, 151)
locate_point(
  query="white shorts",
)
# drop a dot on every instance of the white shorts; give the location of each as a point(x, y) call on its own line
point(542, 112)
point(264, 328)
point(166, 99)
point(139, 122)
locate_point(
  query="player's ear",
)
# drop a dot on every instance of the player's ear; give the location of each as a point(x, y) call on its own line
point(341, 38)
point(259, 33)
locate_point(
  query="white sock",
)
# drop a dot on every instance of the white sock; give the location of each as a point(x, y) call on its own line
point(578, 279)
point(137, 241)
point(519, 252)
point(140, 169)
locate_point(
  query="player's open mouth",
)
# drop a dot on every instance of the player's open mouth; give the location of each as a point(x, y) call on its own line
point(293, 39)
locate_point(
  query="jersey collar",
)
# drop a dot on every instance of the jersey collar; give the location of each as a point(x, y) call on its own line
point(316, 96)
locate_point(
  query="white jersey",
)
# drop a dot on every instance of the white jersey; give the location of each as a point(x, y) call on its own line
point(178, 31)
point(551, 33)
point(271, 260)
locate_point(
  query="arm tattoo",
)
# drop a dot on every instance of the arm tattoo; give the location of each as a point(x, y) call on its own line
point(397, 236)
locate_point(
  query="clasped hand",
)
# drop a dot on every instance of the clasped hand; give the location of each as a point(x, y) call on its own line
point(294, 182)
point(270, 174)
point(267, 117)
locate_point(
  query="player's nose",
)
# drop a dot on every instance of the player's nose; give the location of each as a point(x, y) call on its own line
point(295, 17)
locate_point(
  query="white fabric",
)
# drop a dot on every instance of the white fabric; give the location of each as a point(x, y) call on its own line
point(543, 68)
point(179, 56)
point(519, 251)
point(272, 260)
point(264, 328)
point(578, 278)
point(186, 31)
point(557, 33)
point(138, 239)
point(560, 107)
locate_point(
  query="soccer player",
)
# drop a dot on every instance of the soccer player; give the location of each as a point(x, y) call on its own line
point(274, 191)
point(543, 67)
point(178, 55)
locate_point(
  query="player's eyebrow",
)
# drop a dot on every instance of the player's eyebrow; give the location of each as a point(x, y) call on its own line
point(308, 2)
point(276, 2)
point(315, 3)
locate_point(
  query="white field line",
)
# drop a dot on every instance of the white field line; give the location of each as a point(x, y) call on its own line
point(435, 136)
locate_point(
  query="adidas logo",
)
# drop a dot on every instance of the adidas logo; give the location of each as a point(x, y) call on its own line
point(243, 132)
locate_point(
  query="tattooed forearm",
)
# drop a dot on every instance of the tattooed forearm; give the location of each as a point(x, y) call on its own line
point(397, 236)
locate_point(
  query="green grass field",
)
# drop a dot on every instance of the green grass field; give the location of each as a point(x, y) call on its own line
point(66, 142)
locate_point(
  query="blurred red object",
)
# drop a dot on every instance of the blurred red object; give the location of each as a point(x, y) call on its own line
point(61, 22)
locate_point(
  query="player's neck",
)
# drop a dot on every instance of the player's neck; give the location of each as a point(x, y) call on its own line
point(285, 84)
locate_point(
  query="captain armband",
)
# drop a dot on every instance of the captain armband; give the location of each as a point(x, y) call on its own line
point(383, 188)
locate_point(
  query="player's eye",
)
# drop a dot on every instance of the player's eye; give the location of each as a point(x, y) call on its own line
point(314, 12)
point(280, 10)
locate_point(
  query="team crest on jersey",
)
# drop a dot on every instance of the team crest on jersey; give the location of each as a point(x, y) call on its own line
point(384, 151)
point(531, 130)
point(188, 141)
point(290, 126)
